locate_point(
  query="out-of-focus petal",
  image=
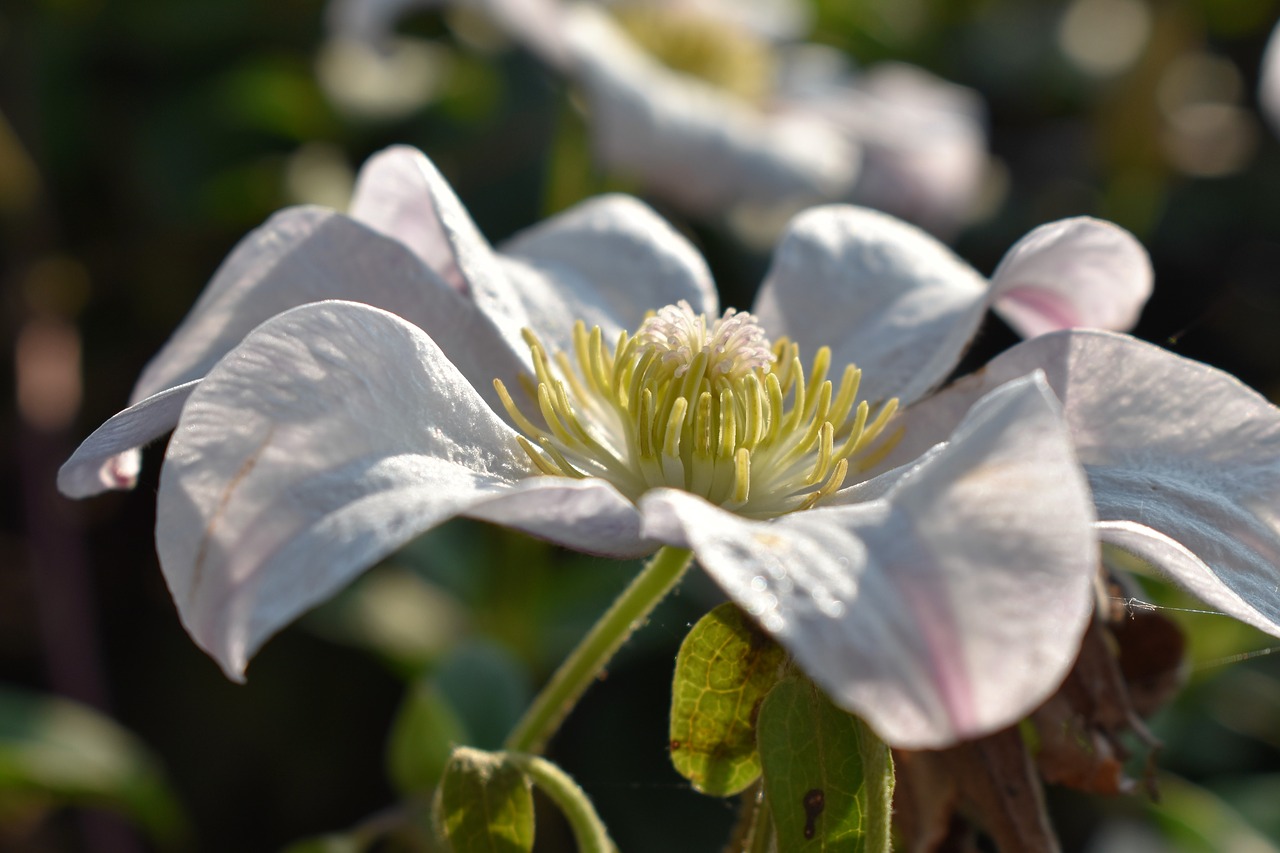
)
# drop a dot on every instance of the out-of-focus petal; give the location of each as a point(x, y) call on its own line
point(369, 21)
point(533, 23)
point(585, 515)
point(945, 611)
point(109, 457)
point(1073, 273)
point(1269, 81)
point(1181, 452)
point(307, 254)
point(696, 145)
point(333, 435)
point(923, 138)
point(770, 19)
point(881, 293)
point(607, 261)
point(538, 25)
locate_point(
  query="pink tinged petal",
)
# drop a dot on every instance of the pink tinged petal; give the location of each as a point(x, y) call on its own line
point(944, 611)
point(607, 261)
point(585, 515)
point(1073, 273)
point(1171, 446)
point(109, 458)
point(694, 144)
point(333, 435)
point(304, 255)
point(881, 293)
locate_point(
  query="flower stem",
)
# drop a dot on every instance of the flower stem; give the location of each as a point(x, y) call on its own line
point(585, 662)
point(588, 830)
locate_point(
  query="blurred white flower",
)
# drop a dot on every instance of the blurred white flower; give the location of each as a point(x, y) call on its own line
point(714, 106)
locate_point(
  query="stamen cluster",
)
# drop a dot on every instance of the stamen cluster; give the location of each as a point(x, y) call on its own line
point(719, 413)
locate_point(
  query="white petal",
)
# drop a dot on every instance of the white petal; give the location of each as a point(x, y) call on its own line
point(881, 293)
point(333, 435)
point(1175, 446)
point(401, 194)
point(585, 515)
point(1074, 273)
point(109, 457)
point(945, 611)
point(1251, 598)
point(607, 261)
point(304, 255)
point(691, 143)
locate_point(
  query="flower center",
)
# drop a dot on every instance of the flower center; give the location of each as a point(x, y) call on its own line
point(724, 55)
point(718, 412)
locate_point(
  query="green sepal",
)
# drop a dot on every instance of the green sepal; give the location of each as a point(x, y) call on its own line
point(828, 778)
point(484, 804)
point(724, 669)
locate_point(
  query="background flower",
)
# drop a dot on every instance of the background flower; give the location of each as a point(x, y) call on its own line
point(716, 107)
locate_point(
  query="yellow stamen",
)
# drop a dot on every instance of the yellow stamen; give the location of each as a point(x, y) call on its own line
point(713, 409)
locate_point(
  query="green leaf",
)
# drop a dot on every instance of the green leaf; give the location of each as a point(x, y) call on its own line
point(724, 669)
point(391, 611)
point(485, 804)
point(828, 778)
point(487, 687)
point(422, 738)
point(57, 751)
point(1197, 820)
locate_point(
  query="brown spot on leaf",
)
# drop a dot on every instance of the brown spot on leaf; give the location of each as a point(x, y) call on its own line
point(814, 802)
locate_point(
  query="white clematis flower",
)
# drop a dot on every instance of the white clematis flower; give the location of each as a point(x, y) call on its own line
point(940, 600)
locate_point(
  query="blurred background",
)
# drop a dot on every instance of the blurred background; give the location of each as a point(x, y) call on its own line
point(141, 139)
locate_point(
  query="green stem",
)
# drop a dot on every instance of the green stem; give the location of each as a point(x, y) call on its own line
point(762, 840)
point(588, 830)
point(586, 661)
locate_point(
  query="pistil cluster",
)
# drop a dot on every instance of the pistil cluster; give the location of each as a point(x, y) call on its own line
point(716, 411)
